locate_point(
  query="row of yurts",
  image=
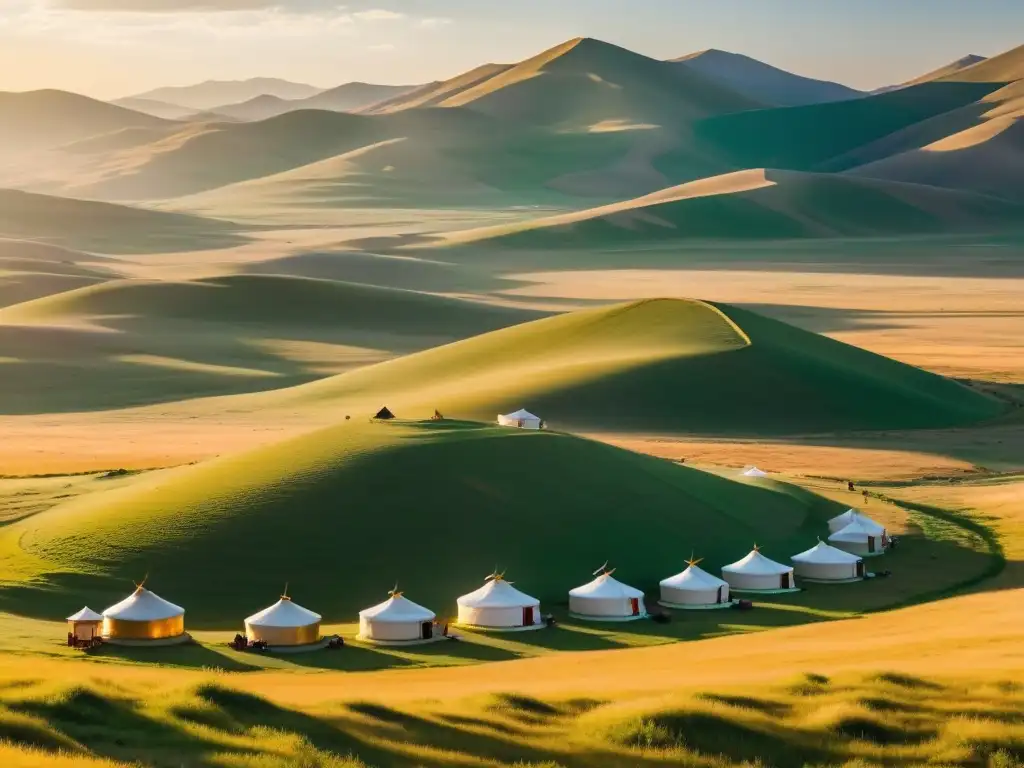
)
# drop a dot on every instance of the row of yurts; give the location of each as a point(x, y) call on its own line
point(498, 605)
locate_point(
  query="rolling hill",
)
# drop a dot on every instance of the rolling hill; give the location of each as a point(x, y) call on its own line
point(811, 137)
point(1007, 67)
point(584, 83)
point(433, 505)
point(213, 93)
point(659, 366)
point(987, 158)
point(762, 204)
point(132, 342)
point(764, 83)
point(435, 94)
point(37, 120)
point(155, 108)
point(945, 71)
point(105, 227)
point(350, 97)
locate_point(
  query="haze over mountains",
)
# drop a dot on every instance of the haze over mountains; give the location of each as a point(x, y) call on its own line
point(583, 123)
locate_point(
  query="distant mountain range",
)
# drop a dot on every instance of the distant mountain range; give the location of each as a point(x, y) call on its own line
point(581, 125)
point(213, 93)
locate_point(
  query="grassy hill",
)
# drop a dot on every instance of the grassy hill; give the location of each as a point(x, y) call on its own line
point(155, 108)
point(761, 204)
point(30, 270)
point(350, 97)
point(132, 342)
point(350, 509)
point(435, 94)
point(656, 366)
point(37, 120)
point(764, 83)
point(106, 227)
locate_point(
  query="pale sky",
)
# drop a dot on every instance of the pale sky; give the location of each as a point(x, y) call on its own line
point(109, 48)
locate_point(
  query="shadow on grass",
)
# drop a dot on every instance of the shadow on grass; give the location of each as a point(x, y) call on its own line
point(765, 706)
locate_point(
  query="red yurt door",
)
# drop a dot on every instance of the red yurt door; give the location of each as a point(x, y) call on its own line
point(528, 616)
point(634, 605)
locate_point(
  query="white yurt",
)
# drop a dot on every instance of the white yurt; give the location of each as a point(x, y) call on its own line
point(499, 605)
point(84, 625)
point(756, 573)
point(861, 537)
point(143, 615)
point(754, 472)
point(839, 522)
point(397, 620)
point(522, 419)
point(824, 563)
point(694, 588)
point(606, 599)
point(284, 624)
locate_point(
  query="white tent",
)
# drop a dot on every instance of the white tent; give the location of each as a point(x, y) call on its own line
point(694, 588)
point(824, 563)
point(606, 599)
point(756, 573)
point(396, 620)
point(839, 522)
point(754, 472)
point(143, 615)
point(284, 624)
point(861, 537)
point(84, 625)
point(521, 418)
point(499, 605)
point(86, 614)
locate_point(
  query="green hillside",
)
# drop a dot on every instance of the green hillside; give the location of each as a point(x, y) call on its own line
point(104, 227)
point(803, 138)
point(761, 204)
point(343, 513)
point(659, 366)
point(132, 342)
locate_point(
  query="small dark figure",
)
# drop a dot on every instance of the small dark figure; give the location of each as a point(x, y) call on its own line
point(864, 493)
point(239, 643)
point(849, 486)
point(660, 618)
point(743, 605)
point(335, 643)
point(549, 620)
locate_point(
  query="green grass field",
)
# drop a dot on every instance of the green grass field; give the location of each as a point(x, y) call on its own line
point(661, 366)
point(350, 510)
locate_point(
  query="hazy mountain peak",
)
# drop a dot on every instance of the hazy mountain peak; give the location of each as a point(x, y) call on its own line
point(215, 93)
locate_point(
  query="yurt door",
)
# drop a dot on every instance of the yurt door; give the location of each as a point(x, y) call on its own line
point(871, 543)
point(427, 630)
point(860, 569)
point(784, 581)
point(528, 616)
point(719, 595)
point(634, 605)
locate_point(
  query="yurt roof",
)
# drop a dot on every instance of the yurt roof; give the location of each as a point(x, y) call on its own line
point(755, 472)
point(694, 578)
point(606, 585)
point(824, 554)
point(398, 609)
point(143, 605)
point(497, 593)
point(858, 530)
point(522, 413)
point(852, 516)
point(86, 614)
point(284, 613)
point(757, 564)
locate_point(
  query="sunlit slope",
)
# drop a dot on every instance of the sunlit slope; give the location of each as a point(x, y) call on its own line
point(30, 270)
point(347, 511)
point(1004, 68)
point(806, 138)
point(583, 82)
point(37, 120)
point(761, 204)
point(665, 365)
point(132, 342)
point(433, 94)
point(105, 227)
point(762, 82)
point(987, 158)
